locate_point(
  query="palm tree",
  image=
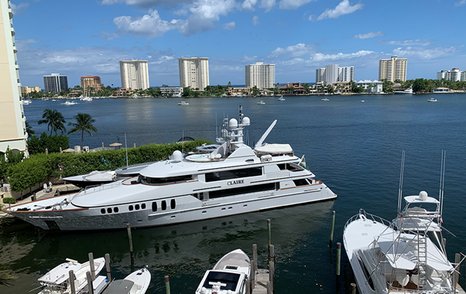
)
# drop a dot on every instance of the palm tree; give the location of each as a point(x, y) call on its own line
point(54, 120)
point(84, 123)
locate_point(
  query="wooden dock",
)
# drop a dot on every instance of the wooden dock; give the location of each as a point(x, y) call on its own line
point(261, 280)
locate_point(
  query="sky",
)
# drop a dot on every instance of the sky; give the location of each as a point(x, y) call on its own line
point(90, 37)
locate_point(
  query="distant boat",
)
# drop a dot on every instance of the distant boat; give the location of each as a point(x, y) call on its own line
point(362, 101)
point(324, 99)
point(229, 275)
point(183, 103)
point(281, 98)
point(70, 103)
point(27, 102)
point(405, 91)
point(432, 99)
point(88, 99)
point(261, 102)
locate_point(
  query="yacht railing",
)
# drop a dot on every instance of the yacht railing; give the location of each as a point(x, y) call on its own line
point(363, 214)
point(92, 189)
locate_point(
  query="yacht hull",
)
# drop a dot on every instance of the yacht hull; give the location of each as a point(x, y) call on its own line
point(188, 209)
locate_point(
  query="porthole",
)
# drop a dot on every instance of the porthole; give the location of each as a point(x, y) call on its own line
point(115, 209)
point(136, 206)
point(143, 206)
point(173, 204)
point(102, 211)
point(164, 205)
point(154, 206)
point(130, 208)
point(109, 210)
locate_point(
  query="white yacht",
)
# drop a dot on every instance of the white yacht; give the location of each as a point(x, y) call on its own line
point(233, 179)
point(407, 255)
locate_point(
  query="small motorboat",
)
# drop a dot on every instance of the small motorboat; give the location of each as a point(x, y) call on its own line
point(183, 103)
point(324, 99)
point(69, 103)
point(261, 102)
point(57, 280)
point(229, 275)
point(135, 283)
point(281, 98)
point(432, 99)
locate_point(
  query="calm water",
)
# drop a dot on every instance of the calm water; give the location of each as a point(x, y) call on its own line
point(354, 147)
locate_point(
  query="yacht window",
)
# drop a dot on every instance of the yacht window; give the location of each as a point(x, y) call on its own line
point(154, 206)
point(130, 208)
point(143, 206)
point(291, 167)
point(232, 174)
point(160, 181)
point(164, 205)
point(115, 209)
point(301, 182)
point(242, 190)
point(102, 211)
point(136, 206)
point(173, 204)
point(109, 210)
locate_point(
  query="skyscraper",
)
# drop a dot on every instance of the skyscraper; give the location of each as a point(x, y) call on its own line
point(12, 121)
point(393, 69)
point(90, 84)
point(331, 74)
point(55, 83)
point(134, 74)
point(260, 75)
point(194, 72)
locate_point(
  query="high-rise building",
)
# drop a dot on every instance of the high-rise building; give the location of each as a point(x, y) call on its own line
point(194, 72)
point(12, 121)
point(393, 69)
point(332, 74)
point(55, 83)
point(134, 74)
point(260, 75)
point(455, 74)
point(90, 84)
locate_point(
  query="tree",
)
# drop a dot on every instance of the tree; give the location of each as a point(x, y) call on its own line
point(29, 129)
point(84, 123)
point(54, 120)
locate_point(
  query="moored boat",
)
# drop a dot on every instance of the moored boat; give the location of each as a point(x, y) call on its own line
point(230, 275)
point(233, 179)
point(135, 283)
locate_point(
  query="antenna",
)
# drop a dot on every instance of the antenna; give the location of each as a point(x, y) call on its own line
point(442, 179)
point(400, 185)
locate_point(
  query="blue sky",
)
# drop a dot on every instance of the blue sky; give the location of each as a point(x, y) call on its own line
point(90, 37)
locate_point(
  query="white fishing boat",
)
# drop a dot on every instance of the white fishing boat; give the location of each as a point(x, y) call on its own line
point(233, 179)
point(407, 255)
point(88, 99)
point(69, 103)
point(56, 281)
point(183, 103)
point(325, 99)
point(135, 283)
point(432, 99)
point(261, 102)
point(230, 275)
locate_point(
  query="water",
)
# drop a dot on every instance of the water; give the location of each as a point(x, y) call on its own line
point(354, 147)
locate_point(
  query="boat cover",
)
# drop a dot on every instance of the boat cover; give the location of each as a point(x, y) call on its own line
point(274, 149)
point(119, 287)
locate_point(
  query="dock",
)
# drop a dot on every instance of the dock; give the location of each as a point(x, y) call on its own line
point(262, 280)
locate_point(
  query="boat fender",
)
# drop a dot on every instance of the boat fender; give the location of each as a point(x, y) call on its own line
point(403, 279)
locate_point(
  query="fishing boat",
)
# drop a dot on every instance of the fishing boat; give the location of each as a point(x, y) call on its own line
point(233, 179)
point(230, 275)
point(57, 280)
point(432, 99)
point(406, 255)
point(325, 99)
point(135, 283)
point(68, 103)
point(183, 103)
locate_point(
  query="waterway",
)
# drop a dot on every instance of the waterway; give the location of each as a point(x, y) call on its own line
point(353, 146)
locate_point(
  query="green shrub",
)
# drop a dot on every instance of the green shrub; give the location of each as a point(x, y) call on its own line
point(53, 143)
point(9, 200)
point(42, 168)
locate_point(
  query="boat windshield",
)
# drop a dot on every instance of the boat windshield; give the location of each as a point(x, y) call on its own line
point(228, 281)
point(161, 181)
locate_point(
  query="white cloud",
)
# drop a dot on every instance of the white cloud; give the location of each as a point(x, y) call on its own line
point(299, 49)
point(249, 4)
point(415, 42)
point(321, 57)
point(423, 53)
point(344, 7)
point(150, 24)
point(204, 14)
point(163, 59)
point(146, 3)
point(255, 20)
point(369, 35)
point(267, 4)
point(460, 3)
point(18, 7)
point(230, 25)
point(292, 4)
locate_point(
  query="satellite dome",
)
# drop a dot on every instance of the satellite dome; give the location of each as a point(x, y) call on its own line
point(423, 195)
point(233, 123)
point(246, 121)
point(177, 156)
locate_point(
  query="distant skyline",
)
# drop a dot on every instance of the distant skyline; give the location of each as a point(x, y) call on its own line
point(80, 38)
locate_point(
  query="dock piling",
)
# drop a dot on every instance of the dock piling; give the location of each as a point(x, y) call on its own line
point(72, 278)
point(90, 288)
point(271, 265)
point(107, 267)
point(91, 265)
point(338, 258)
point(130, 238)
point(167, 284)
